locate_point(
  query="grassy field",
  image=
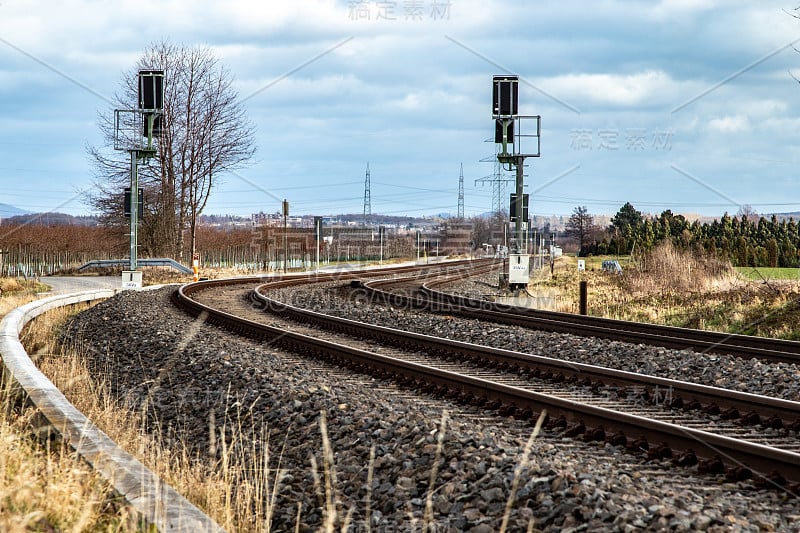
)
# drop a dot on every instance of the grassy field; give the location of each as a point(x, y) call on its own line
point(674, 288)
point(768, 273)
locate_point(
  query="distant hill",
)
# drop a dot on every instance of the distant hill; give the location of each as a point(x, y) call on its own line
point(785, 216)
point(50, 219)
point(7, 210)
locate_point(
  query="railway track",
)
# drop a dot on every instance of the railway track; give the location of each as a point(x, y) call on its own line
point(594, 403)
point(427, 297)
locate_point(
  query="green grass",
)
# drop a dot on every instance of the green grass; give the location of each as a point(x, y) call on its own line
point(758, 273)
point(595, 262)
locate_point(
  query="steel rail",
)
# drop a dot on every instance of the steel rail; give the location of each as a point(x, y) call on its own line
point(421, 272)
point(590, 375)
point(426, 298)
point(748, 346)
point(755, 456)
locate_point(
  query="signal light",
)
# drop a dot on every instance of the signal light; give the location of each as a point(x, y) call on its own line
point(505, 96)
point(151, 90)
point(498, 131)
point(127, 203)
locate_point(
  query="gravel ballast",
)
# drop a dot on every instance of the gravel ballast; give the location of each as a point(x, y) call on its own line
point(194, 376)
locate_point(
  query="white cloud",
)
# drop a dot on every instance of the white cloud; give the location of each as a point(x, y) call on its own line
point(300, 88)
point(761, 30)
point(642, 88)
point(764, 109)
point(399, 87)
point(675, 7)
point(729, 124)
point(741, 114)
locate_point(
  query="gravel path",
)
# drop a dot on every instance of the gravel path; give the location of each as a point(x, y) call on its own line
point(189, 374)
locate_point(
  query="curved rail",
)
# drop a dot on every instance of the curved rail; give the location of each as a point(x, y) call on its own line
point(420, 272)
point(427, 298)
point(522, 402)
point(684, 393)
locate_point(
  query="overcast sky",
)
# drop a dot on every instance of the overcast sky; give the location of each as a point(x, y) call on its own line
point(687, 105)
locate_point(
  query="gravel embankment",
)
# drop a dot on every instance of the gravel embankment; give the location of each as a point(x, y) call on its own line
point(781, 380)
point(152, 353)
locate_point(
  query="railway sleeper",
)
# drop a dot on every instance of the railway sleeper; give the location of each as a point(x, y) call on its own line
point(596, 434)
point(507, 409)
point(693, 405)
point(639, 444)
point(525, 414)
point(752, 418)
point(713, 465)
point(662, 451)
point(618, 439)
point(494, 405)
point(559, 422)
point(576, 430)
point(730, 414)
point(687, 459)
point(452, 393)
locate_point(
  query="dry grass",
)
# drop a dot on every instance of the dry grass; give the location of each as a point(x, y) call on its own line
point(10, 285)
point(14, 293)
point(45, 486)
point(236, 496)
point(669, 286)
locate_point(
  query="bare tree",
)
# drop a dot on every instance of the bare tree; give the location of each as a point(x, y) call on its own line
point(747, 211)
point(481, 231)
point(205, 133)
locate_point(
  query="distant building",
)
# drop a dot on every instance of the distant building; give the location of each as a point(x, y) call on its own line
point(456, 238)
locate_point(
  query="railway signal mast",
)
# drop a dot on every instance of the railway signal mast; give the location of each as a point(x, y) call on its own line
point(508, 134)
point(134, 131)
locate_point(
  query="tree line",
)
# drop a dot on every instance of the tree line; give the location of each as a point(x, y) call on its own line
point(37, 249)
point(745, 239)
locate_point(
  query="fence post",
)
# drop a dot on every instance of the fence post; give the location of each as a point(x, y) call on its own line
point(583, 303)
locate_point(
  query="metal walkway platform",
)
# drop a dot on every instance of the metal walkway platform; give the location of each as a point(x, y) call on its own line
point(153, 262)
